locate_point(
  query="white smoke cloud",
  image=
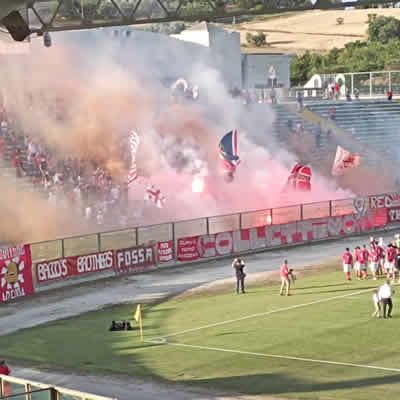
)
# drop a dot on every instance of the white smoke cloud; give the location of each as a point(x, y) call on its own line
point(109, 87)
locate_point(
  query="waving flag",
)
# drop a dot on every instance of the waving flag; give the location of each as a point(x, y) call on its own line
point(299, 179)
point(344, 160)
point(134, 141)
point(154, 194)
point(228, 152)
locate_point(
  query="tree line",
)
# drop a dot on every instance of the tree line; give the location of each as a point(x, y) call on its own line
point(380, 51)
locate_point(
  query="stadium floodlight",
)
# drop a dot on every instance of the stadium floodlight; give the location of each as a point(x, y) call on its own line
point(47, 39)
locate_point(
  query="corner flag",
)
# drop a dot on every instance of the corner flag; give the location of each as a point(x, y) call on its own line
point(138, 313)
point(138, 318)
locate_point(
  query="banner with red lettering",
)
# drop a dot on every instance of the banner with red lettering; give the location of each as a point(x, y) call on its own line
point(63, 268)
point(134, 260)
point(15, 273)
point(165, 252)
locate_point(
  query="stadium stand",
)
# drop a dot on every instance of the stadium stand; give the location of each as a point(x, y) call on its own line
point(373, 124)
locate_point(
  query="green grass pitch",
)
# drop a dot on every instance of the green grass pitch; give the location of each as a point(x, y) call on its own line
point(325, 320)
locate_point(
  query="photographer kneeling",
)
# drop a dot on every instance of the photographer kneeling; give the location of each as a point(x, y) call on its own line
point(286, 275)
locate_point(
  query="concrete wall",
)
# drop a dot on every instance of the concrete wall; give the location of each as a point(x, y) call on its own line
point(224, 46)
point(255, 69)
point(150, 55)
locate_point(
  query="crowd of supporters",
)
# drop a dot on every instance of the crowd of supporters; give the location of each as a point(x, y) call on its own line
point(64, 180)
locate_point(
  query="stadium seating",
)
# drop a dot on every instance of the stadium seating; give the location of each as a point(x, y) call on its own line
point(372, 123)
point(306, 147)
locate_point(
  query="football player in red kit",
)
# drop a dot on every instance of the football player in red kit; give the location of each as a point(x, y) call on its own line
point(374, 258)
point(362, 259)
point(390, 259)
point(347, 263)
point(357, 264)
point(381, 261)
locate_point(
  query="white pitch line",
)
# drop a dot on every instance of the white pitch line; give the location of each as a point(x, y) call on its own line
point(262, 314)
point(249, 353)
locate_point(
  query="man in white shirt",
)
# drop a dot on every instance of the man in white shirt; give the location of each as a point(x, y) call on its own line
point(385, 295)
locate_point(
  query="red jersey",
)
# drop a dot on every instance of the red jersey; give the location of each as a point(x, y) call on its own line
point(379, 250)
point(284, 271)
point(374, 256)
point(360, 256)
point(347, 257)
point(4, 370)
point(366, 254)
point(390, 254)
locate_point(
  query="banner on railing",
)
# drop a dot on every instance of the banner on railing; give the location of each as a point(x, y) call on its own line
point(165, 252)
point(73, 266)
point(15, 273)
point(388, 200)
point(134, 260)
point(204, 246)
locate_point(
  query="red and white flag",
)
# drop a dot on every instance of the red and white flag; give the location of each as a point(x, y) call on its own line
point(344, 160)
point(134, 141)
point(154, 194)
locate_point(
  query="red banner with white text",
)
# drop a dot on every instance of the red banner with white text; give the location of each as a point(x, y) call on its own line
point(134, 260)
point(269, 236)
point(74, 266)
point(165, 252)
point(15, 273)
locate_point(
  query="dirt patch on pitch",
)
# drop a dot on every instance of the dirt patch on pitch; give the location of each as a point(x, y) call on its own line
point(258, 279)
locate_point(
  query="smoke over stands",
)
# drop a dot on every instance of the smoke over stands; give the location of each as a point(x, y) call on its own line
point(104, 87)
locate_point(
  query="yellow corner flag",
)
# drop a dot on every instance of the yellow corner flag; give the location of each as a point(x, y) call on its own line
point(138, 318)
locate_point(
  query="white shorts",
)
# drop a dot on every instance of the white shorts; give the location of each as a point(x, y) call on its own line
point(373, 266)
point(346, 268)
point(359, 266)
point(389, 265)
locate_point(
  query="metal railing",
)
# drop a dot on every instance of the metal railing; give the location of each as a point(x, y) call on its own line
point(373, 84)
point(125, 238)
point(21, 389)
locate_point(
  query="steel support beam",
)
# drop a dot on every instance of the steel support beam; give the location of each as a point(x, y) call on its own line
point(65, 15)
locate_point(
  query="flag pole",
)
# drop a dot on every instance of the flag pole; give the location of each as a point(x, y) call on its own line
point(138, 318)
point(141, 327)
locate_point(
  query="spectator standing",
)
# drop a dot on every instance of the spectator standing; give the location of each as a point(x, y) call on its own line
point(285, 282)
point(318, 134)
point(332, 113)
point(272, 94)
point(300, 101)
point(356, 94)
point(271, 76)
point(385, 295)
point(17, 164)
point(389, 95)
point(337, 91)
point(238, 266)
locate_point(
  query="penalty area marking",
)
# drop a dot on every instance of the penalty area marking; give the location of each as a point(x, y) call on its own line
point(284, 357)
point(162, 339)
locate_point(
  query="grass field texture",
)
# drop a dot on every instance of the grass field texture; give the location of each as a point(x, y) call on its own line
point(248, 344)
